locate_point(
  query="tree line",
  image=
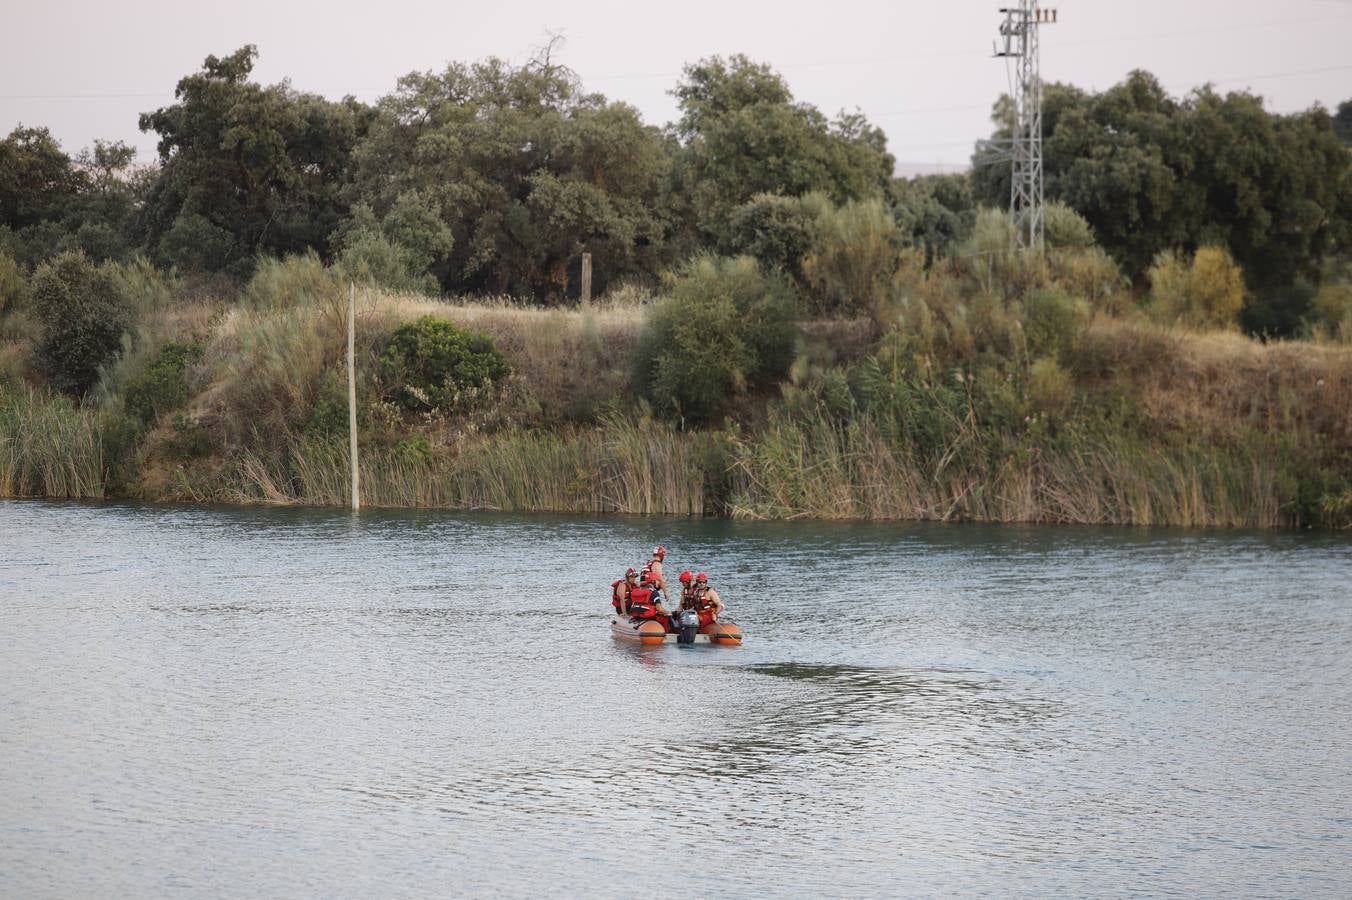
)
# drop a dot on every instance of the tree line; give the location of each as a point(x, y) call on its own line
point(489, 177)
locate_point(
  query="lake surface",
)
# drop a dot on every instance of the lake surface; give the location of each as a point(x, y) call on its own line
point(284, 703)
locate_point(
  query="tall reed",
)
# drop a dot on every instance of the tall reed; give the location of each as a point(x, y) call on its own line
point(623, 465)
point(49, 447)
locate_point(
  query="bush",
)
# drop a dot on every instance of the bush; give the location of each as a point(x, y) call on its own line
point(1064, 227)
point(1053, 321)
point(370, 256)
point(430, 364)
point(850, 267)
point(778, 231)
point(1207, 292)
point(726, 327)
point(1332, 311)
point(13, 284)
point(83, 314)
point(296, 281)
point(163, 386)
point(1050, 389)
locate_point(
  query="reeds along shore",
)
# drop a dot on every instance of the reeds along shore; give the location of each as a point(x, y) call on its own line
point(945, 404)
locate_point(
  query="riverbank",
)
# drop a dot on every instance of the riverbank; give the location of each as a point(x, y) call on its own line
point(1122, 420)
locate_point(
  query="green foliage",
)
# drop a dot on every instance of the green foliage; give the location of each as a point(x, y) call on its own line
point(401, 253)
point(1050, 388)
point(499, 177)
point(1053, 321)
point(430, 364)
point(246, 169)
point(49, 446)
point(936, 212)
point(778, 231)
point(742, 134)
point(1064, 227)
point(36, 178)
point(725, 327)
point(50, 203)
point(13, 285)
point(1206, 292)
point(299, 281)
point(1332, 309)
point(1150, 172)
point(853, 258)
point(163, 385)
point(83, 313)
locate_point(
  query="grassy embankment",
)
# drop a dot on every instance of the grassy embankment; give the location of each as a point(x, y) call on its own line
point(1096, 417)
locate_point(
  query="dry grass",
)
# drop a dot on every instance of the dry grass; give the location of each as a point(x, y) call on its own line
point(1220, 380)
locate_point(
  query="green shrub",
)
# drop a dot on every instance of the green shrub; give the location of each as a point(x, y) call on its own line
point(725, 327)
point(778, 231)
point(371, 257)
point(163, 386)
point(1207, 291)
point(1064, 227)
point(296, 281)
point(1332, 311)
point(1053, 321)
point(853, 258)
point(430, 364)
point(1050, 390)
point(13, 284)
point(83, 315)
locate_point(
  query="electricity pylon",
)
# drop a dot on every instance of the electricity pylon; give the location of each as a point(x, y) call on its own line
point(1019, 45)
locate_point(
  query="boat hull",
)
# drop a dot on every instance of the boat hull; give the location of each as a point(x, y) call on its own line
point(648, 633)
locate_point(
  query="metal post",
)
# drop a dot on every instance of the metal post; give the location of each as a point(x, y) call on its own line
point(352, 391)
point(586, 279)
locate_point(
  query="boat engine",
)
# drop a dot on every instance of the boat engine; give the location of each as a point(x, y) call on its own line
point(687, 625)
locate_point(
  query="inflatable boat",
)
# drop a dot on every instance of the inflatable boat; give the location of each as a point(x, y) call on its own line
point(649, 632)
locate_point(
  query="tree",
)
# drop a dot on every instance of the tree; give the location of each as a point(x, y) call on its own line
point(247, 169)
point(83, 314)
point(1342, 122)
point(522, 171)
point(50, 203)
point(742, 134)
point(1150, 172)
point(37, 179)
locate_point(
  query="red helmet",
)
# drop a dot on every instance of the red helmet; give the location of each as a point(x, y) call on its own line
point(660, 552)
point(631, 573)
point(686, 576)
point(701, 577)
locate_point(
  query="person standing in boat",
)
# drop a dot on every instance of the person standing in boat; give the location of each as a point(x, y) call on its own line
point(706, 601)
point(655, 566)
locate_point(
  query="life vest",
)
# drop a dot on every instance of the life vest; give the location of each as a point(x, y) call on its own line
point(641, 603)
point(700, 600)
point(616, 600)
point(688, 598)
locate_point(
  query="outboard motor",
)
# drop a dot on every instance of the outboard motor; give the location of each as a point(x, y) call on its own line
point(687, 625)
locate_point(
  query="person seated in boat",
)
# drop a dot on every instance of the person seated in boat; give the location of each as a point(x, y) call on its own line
point(645, 602)
point(705, 601)
point(619, 590)
point(687, 579)
point(655, 566)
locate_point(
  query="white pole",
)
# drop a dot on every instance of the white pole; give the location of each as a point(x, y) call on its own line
point(352, 390)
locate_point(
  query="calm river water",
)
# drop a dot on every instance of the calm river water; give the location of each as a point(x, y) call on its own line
point(286, 703)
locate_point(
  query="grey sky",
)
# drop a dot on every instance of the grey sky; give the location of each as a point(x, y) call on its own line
point(922, 71)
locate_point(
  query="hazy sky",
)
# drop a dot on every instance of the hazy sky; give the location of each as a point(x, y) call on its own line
point(922, 71)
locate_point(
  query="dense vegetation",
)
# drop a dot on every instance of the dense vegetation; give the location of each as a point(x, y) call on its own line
point(784, 328)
